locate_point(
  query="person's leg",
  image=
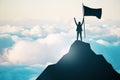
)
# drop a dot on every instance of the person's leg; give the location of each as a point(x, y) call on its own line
point(81, 35)
point(77, 35)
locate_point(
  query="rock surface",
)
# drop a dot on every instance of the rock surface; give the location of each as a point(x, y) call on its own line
point(80, 63)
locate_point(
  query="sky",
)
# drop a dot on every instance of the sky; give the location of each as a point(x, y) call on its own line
point(36, 33)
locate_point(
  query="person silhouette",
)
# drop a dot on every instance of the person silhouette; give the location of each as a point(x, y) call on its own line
point(79, 28)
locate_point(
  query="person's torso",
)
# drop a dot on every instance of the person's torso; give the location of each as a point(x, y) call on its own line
point(79, 28)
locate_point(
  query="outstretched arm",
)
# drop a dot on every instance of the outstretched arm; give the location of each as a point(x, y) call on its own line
point(82, 21)
point(75, 21)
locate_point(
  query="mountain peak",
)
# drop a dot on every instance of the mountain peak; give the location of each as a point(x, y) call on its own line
point(80, 63)
point(80, 45)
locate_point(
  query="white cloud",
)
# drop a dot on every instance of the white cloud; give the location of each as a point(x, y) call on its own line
point(93, 30)
point(103, 42)
point(33, 31)
point(40, 51)
point(5, 63)
point(4, 35)
point(116, 43)
point(15, 38)
point(115, 31)
point(10, 29)
point(23, 30)
point(36, 30)
point(102, 30)
point(19, 72)
point(44, 50)
point(53, 40)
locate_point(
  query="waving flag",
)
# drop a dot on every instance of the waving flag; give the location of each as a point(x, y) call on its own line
point(87, 11)
point(92, 12)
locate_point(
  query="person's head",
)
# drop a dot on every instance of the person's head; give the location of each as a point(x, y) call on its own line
point(79, 22)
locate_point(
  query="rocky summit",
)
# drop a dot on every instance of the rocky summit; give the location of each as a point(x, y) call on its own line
point(80, 63)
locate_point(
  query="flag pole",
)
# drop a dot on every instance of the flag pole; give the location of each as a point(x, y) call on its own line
point(84, 22)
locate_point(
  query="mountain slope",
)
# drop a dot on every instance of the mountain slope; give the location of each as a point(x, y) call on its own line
point(80, 63)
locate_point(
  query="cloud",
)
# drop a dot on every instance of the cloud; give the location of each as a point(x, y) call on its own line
point(33, 31)
point(105, 33)
point(115, 31)
point(46, 44)
point(103, 42)
point(3, 63)
point(10, 29)
point(39, 51)
point(21, 30)
point(33, 44)
point(107, 29)
point(5, 42)
point(19, 72)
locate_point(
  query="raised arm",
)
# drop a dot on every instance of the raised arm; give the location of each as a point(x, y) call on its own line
point(75, 21)
point(82, 21)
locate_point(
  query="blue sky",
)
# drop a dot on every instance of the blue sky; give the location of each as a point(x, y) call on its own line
point(35, 33)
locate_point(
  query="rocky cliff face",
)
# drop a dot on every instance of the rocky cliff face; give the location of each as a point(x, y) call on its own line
point(80, 63)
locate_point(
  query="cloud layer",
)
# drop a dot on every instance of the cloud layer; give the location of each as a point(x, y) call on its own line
point(39, 51)
point(20, 72)
point(44, 44)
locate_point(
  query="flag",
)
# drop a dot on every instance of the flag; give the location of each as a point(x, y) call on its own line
point(92, 12)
